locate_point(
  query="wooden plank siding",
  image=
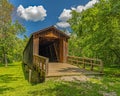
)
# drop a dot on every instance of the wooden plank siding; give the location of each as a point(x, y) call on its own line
point(65, 50)
point(36, 46)
point(28, 53)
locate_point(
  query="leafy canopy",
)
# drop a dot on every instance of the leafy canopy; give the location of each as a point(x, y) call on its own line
point(96, 32)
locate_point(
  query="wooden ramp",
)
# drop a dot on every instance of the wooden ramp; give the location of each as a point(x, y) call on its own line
point(64, 69)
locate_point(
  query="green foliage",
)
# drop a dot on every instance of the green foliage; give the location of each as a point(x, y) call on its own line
point(17, 52)
point(98, 32)
point(13, 83)
point(9, 30)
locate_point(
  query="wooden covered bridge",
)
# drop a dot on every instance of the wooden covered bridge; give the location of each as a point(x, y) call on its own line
point(46, 55)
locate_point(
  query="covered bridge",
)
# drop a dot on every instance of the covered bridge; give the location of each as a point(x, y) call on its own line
point(49, 42)
point(46, 54)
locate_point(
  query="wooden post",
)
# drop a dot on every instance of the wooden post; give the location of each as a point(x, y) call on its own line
point(91, 65)
point(83, 63)
point(61, 50)
point(30, 75)
point(77, 61)
point(65, 50)
point(101, 66)
point(46, 66)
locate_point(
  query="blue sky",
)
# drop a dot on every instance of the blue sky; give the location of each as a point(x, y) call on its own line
point(38, 14)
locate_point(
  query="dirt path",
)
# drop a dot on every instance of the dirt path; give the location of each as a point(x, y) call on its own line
point(81, 78)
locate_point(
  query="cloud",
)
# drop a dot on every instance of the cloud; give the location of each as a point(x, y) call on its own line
point(80, 8)
point(63, 24)
point(32, 13)
point(65, 15)
point(63, 18)
point(90, 4)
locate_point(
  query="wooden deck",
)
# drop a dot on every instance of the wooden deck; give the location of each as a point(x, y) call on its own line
point(64, 69)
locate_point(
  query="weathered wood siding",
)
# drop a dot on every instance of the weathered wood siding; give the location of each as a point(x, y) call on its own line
point(36, 46)
point(65, 50)
point(61, 50)
point(28, 53)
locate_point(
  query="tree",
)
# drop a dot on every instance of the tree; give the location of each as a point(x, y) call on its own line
point(98, 31)
point(8, 30)
point(19, 47)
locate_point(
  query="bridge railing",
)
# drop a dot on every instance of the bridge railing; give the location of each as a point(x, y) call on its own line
point(88, 63)
point(40, 64)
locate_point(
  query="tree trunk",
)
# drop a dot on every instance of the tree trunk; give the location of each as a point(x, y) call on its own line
point(6, 63)
point(5, 58)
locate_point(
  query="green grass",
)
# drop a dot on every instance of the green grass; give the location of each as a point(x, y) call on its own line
point(13, 83)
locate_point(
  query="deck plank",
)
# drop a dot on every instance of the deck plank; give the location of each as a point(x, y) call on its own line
point(64, 69)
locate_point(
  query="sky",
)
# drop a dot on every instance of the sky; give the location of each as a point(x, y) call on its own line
point(38, 14)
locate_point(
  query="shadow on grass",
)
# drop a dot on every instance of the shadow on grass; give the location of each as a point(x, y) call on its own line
point(68, 89)
point(35, 76)
point(7, 78)
point(9, 65)
point(26, 74)
point(5, 88)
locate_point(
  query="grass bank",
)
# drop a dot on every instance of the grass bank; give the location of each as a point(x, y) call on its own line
point(12, 83)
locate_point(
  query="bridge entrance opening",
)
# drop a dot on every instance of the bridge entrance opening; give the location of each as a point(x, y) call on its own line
point(49, 47)
point(51, 43)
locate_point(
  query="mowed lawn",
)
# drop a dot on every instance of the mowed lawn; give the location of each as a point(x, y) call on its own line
point(13, 83)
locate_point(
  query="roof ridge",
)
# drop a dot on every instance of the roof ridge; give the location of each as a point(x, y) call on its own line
point(45, 29)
